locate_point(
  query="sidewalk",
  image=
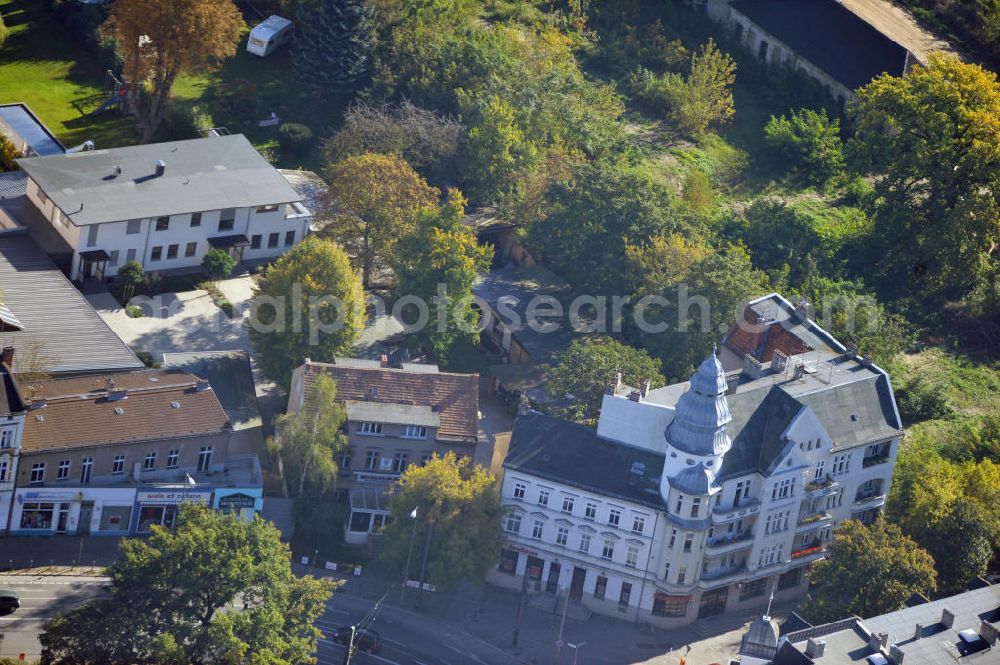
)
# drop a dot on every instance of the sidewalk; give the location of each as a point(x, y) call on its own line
point(83, 552)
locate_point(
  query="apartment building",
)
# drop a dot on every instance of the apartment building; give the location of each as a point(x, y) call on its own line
point(706, 496)
point(164, 205)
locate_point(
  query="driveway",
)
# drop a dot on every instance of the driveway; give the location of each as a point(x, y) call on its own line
point(181, 322)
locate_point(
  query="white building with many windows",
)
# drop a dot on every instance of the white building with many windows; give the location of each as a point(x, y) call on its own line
point(163, 205)
point(703, 497)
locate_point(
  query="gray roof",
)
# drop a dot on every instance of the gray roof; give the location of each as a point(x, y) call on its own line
point(23, 127)
point(201, 174)
point(13, 184)
point(58, 324)
point(565, 452)
point(231, 378)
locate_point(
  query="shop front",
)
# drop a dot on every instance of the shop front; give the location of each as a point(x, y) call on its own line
point(243, 501)
point(42, 512)
point(160, 507)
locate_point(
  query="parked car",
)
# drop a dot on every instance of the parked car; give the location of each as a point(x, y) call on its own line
point(364, 639)
point(9, 602)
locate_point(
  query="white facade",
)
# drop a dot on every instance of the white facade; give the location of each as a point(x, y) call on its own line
point(11, 428)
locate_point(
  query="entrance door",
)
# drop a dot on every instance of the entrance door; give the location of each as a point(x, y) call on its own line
point(534, 570)
point(552, 584)
point(86, 512)
point(576, 587)
point(713, 602)
point(63, 518)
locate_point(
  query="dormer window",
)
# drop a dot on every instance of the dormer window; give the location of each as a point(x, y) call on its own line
point(369, 429)
point(6, 438)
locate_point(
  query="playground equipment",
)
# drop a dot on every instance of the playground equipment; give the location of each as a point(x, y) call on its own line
point(121, 95)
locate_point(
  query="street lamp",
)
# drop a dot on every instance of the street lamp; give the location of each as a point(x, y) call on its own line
point(409, 553)
point(576, 649)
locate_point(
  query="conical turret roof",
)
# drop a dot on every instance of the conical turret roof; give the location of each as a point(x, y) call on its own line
point(702, 413)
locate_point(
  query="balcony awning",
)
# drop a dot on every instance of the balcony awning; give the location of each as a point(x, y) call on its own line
point(95, 255)
point(225, 242)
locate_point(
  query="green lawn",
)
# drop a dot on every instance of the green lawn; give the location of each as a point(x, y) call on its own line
point(42, 66)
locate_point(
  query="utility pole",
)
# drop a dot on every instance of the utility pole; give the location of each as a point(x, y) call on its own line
point(562, 624)
point(349, 650)
point(423, 566)
point(520, 605)
point(409, 554)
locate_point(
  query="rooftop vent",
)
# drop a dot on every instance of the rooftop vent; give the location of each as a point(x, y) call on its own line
point(372, 392)
point(117, 394)
point(201, 385)
point(116, 171)
point(161, 167)
point(120, 411)
point(815, 648)
point(40, 418)
point(175, 405)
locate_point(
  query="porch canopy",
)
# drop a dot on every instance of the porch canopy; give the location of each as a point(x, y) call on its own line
point(227, 242)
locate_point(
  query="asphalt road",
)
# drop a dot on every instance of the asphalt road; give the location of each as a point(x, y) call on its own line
point(39, 603)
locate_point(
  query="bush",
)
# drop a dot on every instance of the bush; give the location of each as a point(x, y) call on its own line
point(131, 273)
point(295, 139)
point(133, 311)
point(3, 32)
point(809, 142)
point(218, 264)
point(920, 400)
point(8, 153)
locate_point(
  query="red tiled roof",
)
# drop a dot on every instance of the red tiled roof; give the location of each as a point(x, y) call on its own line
point(780, 339)
point(750, 336)
point(456, 396)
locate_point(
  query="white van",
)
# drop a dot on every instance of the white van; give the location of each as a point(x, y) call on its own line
point(269, 35)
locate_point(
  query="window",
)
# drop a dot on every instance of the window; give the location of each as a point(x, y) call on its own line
point(638, 523)
point(425, 458)
point(118, 465)
point(272, 240)
point(6, 438)
point(742, 492)
point(130, 255)
point(537, 527)
point(227, 219)
point(818, 475)
point(156, 253)
point(149, 462)
point(519, 489)
point(585, 543)
point(38, 472)
point(608, 551)
point(600, 587)
point(841, 464)
point(162, 223)
point(624, 596)
point(666, 571)
point(753, 589)
point(345, 461)
point(688, 540)
point(373, 459)
point(132, 227)
point(631, 556)
point(172, 251)
point(513, 523)
point(682, 574)
point(204, 458)
point(255, 241)
point(680, 504)
point(695, 506)
point(62, 473)
point(414, 432)
point(190, 249)
point(590, 511)
point(562, 535)
point(783, 489)
point(673, 538)
point(195, 219)
point(669, 606)
point(113, 257)
point(400, 461)
point(172, 458)
point(3, 471)
point(508, 561)
point(86, 466)
point(92, 235)
point(543, 497)
point(268, 208)
point(790, 579)
point(567, 504)
point(37, 515)
point(369, 429)
point(614, 517)
point(289, 238)
point(770, 556)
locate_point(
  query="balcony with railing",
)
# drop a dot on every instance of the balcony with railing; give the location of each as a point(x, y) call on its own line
point(813, 548)
point(728, 512)
point(822, 487)
point(872, 460)
point(729, 542)
point(813, 520)
point(713, 574)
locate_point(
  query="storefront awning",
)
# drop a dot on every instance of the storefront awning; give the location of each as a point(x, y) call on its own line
point(225, 242)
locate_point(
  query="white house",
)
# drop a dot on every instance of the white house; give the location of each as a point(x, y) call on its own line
point(707, 496)
point(165, 204)
point(11, 431)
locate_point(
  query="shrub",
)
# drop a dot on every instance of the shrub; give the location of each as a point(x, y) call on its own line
point(921, 399)
point(295, 139)
point(218, 264)
point(133, 311)
point(8, 153)
point(809, 142)
point(131, 273)
point(3, 32)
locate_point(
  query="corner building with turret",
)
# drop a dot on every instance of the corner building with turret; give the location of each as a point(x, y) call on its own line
point(706, 496)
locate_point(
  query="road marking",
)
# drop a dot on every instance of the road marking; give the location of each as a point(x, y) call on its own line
point(467, 655)
point(381, 658)
point(398, 644)
point(330, 609)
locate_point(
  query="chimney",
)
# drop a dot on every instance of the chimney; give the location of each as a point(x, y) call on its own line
point(803, 310)
point(201, 385)
point(988, 632)
point(875, 642)
point(614, 385)
point(798, 372)
point(635, 395)
point(646, 385)
point(383, 361)
point(883, 639)
point(815, 648)
point(7, 356)
point(947, 618)
point(918, 631)
point(161, 167)
point(896, 655)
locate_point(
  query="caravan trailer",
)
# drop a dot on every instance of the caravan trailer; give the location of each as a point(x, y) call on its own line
point(268, 35)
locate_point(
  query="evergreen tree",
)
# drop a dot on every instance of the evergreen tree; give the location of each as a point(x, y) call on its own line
point(333, 46)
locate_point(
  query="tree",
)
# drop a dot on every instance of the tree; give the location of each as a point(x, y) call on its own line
point(809, 142)
point(934, 137)
point(307, 304)
point(161, 40)
point(496, 151)
point(333, 43)
point(170, 596)
point(587, 366)
point(868, 570)
point(458, 513)
point(311, 438)
point(961, 546)
point(132, 273)
point(373, 201)
point(218, 264)
point(3, 32)
point(438, 263)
